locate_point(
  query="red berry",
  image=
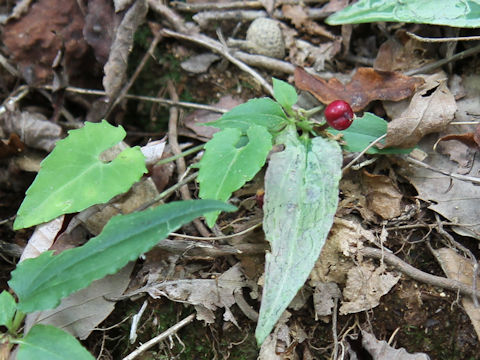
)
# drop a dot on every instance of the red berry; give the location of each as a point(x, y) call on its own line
point(339, 115)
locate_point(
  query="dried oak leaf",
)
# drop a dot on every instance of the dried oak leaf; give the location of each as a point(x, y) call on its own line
point(431, 110)
point(35, 39)
point(365, 86)
point(300, 19)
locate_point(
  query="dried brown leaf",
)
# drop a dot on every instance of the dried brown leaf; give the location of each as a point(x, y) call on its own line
point(458, 268)
point(431, 110)
point(382, 196)
point(34, 129)
point(116, 66)
point(365, 86)
point(365, 286)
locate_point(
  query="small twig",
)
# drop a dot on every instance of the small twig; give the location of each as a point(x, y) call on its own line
point(160, 337)
point(135, 320)
point(217, 47)
point(247, 310)
point(185, 153)
point(373, 143)
point(201, 248)
point(168, 191)
point(181, 165)
point(144, 98)
point(265, 62)
point(416, 274)
point(442, 40)
point(432, 66)
point(334, 329)
point(214, 238)
point(137, 72)
point(471, 179)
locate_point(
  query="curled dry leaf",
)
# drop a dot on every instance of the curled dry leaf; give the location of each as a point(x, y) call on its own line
point(34, 129)
point(431, 110)
point(459, 268)
point(205, 294)
point(382, 196)
point(365, 285)
point(302, 22)
point(381, 350)
point(365, 86)
point(116, 66)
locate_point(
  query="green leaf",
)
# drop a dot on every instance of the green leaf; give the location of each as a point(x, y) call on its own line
point(41, 283)
point(8, 308)
point(456, 13)
point(363, 131)
point(301, 197)
point(73, 177)
point(284, 93)
point(264, 112)
point(226, 166)
point(46, 342)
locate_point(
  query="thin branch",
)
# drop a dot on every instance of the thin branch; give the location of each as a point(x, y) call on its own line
point(144, 98)
point(243, 232)
point(416, 274)
point(471, 179)
point(432, 66)
point(217, 47)
point(372, 144)
point(442, 40)
point(162, 336)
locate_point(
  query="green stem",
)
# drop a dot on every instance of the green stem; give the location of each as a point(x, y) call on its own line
point(17, 321)
point(183, 154)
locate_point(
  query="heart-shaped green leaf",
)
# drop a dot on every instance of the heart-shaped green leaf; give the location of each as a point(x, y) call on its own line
point(73, 177)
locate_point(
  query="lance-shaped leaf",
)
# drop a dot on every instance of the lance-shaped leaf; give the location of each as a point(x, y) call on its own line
point(230, 160)
point(46, 342)
point(41, 283)
point(301, 197)
point(9, 307)
point(264, 112)
point(73, 177)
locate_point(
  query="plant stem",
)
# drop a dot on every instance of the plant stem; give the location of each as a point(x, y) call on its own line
point(17, 321)
point(182, 154)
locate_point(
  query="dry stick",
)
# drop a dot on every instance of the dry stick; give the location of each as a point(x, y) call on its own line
point(429, 67)
point(442, 40)
point(137, 72)
point(201, 248)
point(471, 179)
point(334, 329)
point(162, 101)
point(162, 336)
point(217, 47)
point(265, 62)
point(181, 166)
point(416, 274)
point(376, 141)
point(229, 5)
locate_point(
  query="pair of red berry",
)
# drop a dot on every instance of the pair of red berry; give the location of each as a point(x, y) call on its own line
point(339, 115)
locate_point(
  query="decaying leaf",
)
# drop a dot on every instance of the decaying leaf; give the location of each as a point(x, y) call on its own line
point(365, 86)
point(99, 29)
point(80, 313)
point(343, 241)
point(275, 345)
point(459, 268)
point(35, 39)
point(301, 21)
point(430, 110)
point(42, 238)
point(323, 297)
point(116, 66)
point(365, 285)
point(382, 196)
point(205, 294)
point(401, 53)
point(33, 128)
point(454, 199)
point(381, 350)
